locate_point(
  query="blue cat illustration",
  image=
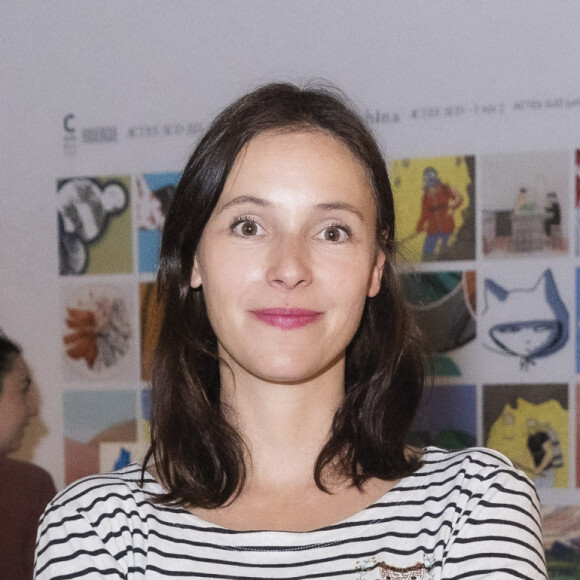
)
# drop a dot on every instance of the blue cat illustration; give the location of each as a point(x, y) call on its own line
point(528, 323)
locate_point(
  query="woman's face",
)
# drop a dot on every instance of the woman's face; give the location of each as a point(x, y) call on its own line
point(17, 406)
point(289, 256)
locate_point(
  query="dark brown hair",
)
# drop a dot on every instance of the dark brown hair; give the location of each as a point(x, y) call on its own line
point(200, 457)
point(8, 353)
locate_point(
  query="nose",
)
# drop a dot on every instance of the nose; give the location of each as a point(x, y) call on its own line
point(290, 263)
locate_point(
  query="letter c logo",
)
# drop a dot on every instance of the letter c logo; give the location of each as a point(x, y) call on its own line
point(66, 122)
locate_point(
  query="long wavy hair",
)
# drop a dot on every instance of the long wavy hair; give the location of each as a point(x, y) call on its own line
point(9, 351)
point(200, 457)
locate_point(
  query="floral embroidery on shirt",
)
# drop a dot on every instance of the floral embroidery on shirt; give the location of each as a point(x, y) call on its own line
point(363, 567)
point(417, 572)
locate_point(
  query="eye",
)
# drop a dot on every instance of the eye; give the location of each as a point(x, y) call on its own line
point(246, 228)
point(336, 233)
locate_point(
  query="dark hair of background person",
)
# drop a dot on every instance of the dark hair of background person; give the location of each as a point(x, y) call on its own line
point(8, 352)
point(200, 457)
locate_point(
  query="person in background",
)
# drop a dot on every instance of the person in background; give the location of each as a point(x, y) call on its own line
point(25, 489)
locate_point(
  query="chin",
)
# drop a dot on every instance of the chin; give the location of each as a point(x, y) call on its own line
point(289, 379)
point(289, 372)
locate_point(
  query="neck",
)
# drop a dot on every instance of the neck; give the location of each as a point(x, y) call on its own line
point(285, 426)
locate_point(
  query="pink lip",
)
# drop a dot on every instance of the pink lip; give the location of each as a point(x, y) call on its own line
point(287, 318)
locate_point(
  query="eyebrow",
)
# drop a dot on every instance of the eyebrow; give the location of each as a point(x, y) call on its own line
point(243, 199)
point(340, 206)
point(336, 205)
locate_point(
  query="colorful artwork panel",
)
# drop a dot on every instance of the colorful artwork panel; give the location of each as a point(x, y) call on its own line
point(529, 424)
point(154, 194)
point(145, 419)
point(526, 201)
point(561, 530)
point(94, 225)
point(447, 417)
point(100, 430)
point(435, 207)
point(98, 335)
point(444, 305)
point(577, 320)
point(577, 208)
point(524, 323)
point(577, 435)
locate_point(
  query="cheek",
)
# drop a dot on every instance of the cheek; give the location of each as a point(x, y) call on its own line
point(10, 415)
point(231, 275)
point(21, 409)
point(225, 295)
point(222, 266)
point(363, 279)
point(350, 290)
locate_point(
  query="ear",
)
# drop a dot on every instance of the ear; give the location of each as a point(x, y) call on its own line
point(376, 274)
point(195, 280)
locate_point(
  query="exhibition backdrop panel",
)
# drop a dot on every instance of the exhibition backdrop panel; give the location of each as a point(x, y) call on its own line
point(477, 108)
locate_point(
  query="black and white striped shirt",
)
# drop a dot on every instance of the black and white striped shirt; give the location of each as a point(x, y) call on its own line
point(463, 514)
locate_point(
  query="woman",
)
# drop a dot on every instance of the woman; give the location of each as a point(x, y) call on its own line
point(25, 488)
point(286, 377)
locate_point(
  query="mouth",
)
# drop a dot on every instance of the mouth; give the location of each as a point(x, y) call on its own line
point(287, 318)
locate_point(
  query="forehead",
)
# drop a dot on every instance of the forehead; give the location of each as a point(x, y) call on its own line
point(300, 159)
